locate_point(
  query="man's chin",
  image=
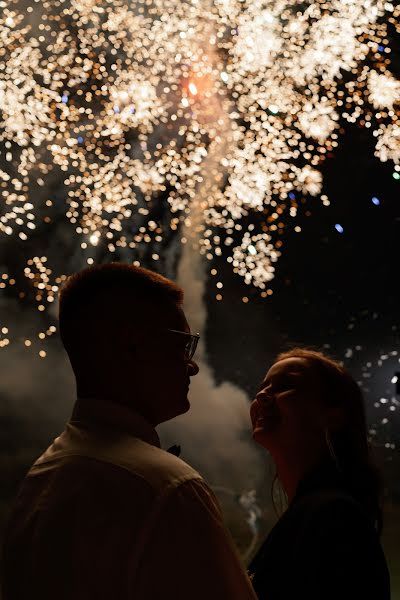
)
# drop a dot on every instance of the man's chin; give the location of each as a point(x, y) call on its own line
point(178, 410)
point(185, 406)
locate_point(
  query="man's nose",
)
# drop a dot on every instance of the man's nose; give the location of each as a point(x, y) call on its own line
point(193, 368)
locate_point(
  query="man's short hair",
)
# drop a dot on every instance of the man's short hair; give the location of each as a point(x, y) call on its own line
point(82, 293)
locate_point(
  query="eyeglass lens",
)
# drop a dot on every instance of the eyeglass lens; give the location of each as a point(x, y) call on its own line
point(190, 348)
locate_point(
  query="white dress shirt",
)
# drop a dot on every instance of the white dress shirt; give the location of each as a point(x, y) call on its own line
point(104, 513)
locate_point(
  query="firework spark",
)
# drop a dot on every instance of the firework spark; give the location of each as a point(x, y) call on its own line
point(109, 111)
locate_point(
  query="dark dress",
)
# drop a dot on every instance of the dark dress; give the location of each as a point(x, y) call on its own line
point(324, 547)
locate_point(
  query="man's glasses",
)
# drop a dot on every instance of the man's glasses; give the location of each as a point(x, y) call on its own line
point(191, 341)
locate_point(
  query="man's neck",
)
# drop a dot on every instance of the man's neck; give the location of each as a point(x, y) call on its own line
point(114, 415)
point(112, 394)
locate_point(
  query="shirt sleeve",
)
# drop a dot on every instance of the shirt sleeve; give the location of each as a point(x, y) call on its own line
point(340, 557)
point(188, 553)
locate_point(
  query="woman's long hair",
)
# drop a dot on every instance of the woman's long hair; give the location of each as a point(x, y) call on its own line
point(350, 442)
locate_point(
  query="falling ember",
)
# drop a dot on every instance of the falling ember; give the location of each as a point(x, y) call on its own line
point(193, 88)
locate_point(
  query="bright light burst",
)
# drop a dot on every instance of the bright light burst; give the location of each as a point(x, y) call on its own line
point(109, 110)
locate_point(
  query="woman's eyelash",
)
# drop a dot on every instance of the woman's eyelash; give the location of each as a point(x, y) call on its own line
point(283, 386)
point(279, 387)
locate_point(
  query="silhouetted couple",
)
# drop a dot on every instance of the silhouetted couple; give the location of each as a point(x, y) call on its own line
point(105, 513)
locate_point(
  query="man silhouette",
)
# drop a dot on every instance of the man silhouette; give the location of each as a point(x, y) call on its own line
point(104, 513)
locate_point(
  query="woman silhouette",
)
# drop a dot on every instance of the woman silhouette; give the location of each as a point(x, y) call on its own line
point(309, 414)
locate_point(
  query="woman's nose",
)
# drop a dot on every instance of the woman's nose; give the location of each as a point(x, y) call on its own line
point(265, 397)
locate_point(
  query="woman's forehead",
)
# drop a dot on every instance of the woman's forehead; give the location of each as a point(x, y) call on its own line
point(293, 364)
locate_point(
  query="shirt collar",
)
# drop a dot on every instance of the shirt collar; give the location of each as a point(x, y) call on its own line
point(115, 416)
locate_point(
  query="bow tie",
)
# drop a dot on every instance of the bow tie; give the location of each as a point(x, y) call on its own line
point(175, 450)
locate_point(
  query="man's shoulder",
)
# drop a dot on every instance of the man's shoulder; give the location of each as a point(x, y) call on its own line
point(147, 463)
point(158, 467)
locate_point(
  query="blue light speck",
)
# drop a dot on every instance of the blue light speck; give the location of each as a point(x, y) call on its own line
point(64, 98)
point(339, 228)
point(376, 201)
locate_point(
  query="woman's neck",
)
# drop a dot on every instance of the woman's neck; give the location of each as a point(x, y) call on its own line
point(291, 471)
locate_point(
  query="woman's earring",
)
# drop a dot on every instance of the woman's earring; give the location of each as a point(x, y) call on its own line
point(331, 449)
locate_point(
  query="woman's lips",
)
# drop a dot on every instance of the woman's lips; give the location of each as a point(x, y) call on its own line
point(266, 418)
point(263, 415)
point(264, 410)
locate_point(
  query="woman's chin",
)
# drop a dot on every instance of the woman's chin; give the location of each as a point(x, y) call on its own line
point(264, 429)
point(260, 435)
